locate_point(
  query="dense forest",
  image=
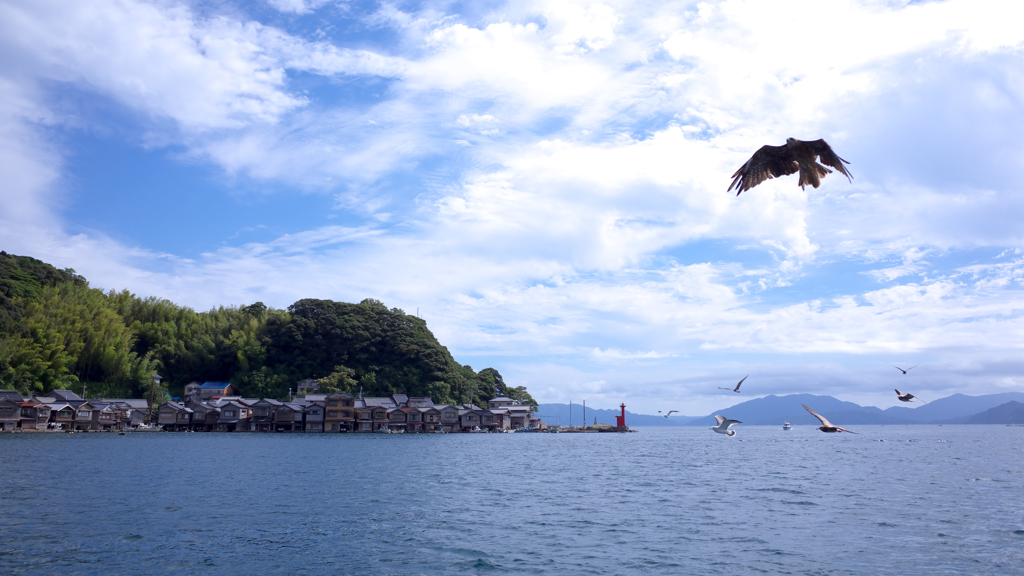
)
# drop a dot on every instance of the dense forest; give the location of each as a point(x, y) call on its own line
point(58, 333)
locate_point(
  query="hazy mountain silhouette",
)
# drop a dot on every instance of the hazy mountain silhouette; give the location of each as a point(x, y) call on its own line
point(774, 410)
point(1010, 413)
point(955, 406)
point(551, 412)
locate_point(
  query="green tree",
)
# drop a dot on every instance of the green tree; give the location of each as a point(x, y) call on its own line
point(341, 380)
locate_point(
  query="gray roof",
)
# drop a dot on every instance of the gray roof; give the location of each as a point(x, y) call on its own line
point(501, 399)
point(381, 402)
point(139, 403)
point(399, 398)
point(65, 395)
point(420, 401)
point(11, 395)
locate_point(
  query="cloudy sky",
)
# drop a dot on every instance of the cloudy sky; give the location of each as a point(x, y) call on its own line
point(546, 181)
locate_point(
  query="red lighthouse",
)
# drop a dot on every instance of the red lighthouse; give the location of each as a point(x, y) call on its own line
point(620, 421)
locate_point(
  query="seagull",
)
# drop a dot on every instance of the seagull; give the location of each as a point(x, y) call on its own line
point(669, 413)
point(724, 424)
point(908, 396)
point(907, 370)
point(737, 388)
point(826, 426)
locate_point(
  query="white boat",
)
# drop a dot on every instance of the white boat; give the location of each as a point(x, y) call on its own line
point(787, 426)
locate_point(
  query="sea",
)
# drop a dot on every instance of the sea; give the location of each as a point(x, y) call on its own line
point(892, 500)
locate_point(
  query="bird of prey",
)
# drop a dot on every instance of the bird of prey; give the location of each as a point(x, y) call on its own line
point(907, 397)
point(907, 370)
point(795, 156)
point(724, 424)
point(737, 388)
point(826, 426)
point(669, 413)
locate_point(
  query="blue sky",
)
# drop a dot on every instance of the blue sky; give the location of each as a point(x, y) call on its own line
point(546, 181)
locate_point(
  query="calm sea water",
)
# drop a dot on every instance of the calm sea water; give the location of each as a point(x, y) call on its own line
point(928, 500)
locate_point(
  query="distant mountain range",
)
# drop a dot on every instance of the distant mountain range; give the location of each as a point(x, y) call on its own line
point(1005, 408)
point(559, 414)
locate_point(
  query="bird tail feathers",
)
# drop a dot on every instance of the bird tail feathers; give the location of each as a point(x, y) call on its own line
point(813, 175)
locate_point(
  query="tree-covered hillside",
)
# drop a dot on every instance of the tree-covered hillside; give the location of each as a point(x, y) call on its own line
point(57, 332)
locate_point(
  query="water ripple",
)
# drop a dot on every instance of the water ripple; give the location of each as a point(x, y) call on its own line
point(663, 501)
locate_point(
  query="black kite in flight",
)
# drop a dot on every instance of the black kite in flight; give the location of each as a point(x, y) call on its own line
point(777, 161)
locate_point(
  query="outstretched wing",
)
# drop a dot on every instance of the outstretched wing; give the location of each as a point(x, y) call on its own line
point(845, 430)
point(671, 411)
point(737, 388)
point(719, 418)
point(898, 393)
point(768, 162)
point(828, 157)
point(729, 423)
point(824, 422)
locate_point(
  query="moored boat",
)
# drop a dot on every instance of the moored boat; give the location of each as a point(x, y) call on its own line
point(787, 426)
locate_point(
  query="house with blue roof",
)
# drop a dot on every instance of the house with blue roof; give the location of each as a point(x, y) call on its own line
point(210, 389)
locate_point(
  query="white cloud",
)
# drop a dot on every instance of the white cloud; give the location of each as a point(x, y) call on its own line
point(298, 6)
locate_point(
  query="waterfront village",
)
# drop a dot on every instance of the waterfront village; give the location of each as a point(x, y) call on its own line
point(214, 407)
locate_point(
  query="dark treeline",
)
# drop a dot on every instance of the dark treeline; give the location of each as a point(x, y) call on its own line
point(58, 333)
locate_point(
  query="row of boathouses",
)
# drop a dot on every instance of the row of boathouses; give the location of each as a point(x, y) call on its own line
point(65, 410)
point(341, 412)
point(211, 407)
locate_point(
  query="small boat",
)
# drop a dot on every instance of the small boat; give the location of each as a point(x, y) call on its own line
point(787, 426)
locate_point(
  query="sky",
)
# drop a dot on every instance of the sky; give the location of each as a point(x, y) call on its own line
point(545, 182)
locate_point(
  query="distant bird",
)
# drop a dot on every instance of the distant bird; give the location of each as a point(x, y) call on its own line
point(778, 161)
point(669, 413)
point(907, 370)
point(826, 426)
point(724, 424)
point(737, 388)
point(907, 397)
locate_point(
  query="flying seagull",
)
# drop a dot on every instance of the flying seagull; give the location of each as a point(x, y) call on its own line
point(737, 388)
point(826, 426)
point(907, 370)
point(724, 424)
point(907, 397)
point(669, 413)
point(795, 156)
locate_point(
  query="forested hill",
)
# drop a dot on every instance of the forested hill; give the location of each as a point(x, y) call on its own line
point(57, 332)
